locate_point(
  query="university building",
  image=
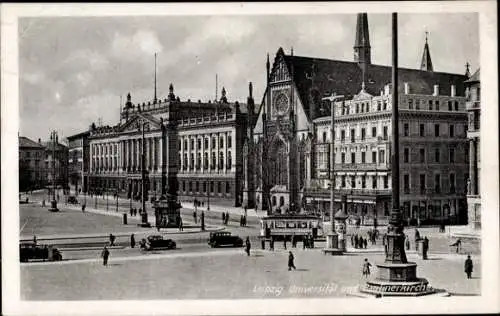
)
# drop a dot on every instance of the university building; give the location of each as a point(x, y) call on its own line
point(289, 144)
point(196, 145)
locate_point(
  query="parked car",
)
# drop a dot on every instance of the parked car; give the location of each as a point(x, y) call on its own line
point(153, 242)
point(30, 250)
point(72, 199)
point(224, 239)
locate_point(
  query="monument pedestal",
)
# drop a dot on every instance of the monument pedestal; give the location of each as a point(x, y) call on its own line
point(53, 206)
point(396, 276)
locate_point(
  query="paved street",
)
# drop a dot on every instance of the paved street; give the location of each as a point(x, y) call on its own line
point(223, 274)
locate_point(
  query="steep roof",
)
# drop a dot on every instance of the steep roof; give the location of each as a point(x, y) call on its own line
point(345, 78)
point(25, 142)
point(475, 77)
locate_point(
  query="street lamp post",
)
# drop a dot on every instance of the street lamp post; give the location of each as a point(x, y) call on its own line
point(107, 199)
point(53, 203)
point(332, 237)
point(208, 195)
point(117, 200)
point(141, 126)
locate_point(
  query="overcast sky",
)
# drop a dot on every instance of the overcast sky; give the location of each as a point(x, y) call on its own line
point(73, 70)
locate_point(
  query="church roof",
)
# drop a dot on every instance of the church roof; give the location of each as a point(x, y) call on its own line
point(345, 78)
point(474, 77)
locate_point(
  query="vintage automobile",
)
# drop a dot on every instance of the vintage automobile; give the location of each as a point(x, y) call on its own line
point(30, 250)
point(154, 242)
point(72, 199)
point(224, 239)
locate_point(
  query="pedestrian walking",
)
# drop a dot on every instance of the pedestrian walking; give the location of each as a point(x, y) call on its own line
point(304, 242)
point(244, 221)
point(356, 241)
point(34, 240)
point(241, 221)
point(43, 203)
point(284, 242)
point(202, 221)
point(223, 218)
point(83, 207)
point(311, 242)
point(271, 244)
point(105, 256)
point(366, 268)
point(457, 244)
point(407, 243)
point(131, 212)
point(425, 246)
point(227, 217)
point(111, 240)
point(132, 241)
point(247, 246)
point(291, 264)
point(195, 217)
point(352, 240)
point(365, 243)
point(468, 267)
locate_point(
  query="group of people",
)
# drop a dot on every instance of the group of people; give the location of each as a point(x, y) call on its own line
point(133, 211)
point(359, 242)
point(243, 221)
point(225, 218)
point(373, 235)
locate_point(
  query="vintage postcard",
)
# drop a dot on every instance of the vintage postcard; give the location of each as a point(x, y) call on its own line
point(244, 158)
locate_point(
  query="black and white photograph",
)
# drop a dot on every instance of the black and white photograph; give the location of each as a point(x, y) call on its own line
point(249, 158)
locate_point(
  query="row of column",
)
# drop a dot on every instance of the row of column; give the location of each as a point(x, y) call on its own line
point(200, 152)
point(125, 155)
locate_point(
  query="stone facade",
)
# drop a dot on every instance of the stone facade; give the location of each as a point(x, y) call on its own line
point(199, 142)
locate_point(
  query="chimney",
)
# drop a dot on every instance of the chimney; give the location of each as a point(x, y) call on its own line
point(453, 90)
point(436, 90)
point(407, 88)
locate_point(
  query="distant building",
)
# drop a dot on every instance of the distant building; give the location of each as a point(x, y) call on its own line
point(31, 166)
point(287, 146)
point(196, 145)
point(56, 163)
point(473, 136)
point(78, 161)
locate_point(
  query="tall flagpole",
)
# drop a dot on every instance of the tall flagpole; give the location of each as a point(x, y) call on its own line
point(155, 99)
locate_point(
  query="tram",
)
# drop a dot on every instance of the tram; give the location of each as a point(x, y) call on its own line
point(280, 226)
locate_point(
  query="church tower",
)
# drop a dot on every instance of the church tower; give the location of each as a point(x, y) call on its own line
point(426, 64)
point(362, 53)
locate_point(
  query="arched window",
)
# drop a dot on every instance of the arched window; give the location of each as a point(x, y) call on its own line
point(221, 142)
point(198, 162)
point(274, 200)
point(205, 160)
point(324, 137)
point(282, 201)
point(214, 161)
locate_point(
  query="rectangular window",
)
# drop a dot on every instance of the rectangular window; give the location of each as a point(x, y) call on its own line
point(417, 104)
point(343, 182)
point(385, 105)
point(452, 130)
point(386, 135)
point(437, 183)
point(436, 130)
point(363, 133)
point(353, 182)
point(437, 155)
point(410, 104)
point(374, 182)
point(406, 129)
point(386, 182)
point(342, 158)
point(374, 132)
point(422, 183)
point(206, 143)
point(406, 155)
point(452, 155)
point(229, 141)
point(381, 156)
point(379, 105)
point(353, 134)
point(422, 155)
point(353, 157)
point(450, 106)
point(374, 157)
point(456, 105)
point(437, 105)
point(430, 105)
point(452, 183)
point(422, 130)
point(228, 187)
point(342, 135)
point(363, 157)
point(363, 182)
point(406, 183)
